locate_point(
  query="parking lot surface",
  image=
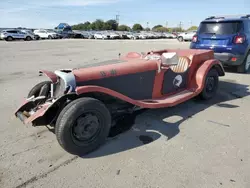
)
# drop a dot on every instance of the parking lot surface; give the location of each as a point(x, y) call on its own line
point(193, 145)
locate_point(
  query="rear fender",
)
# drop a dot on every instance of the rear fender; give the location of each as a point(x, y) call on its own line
point(200, 76)
point(52, 76)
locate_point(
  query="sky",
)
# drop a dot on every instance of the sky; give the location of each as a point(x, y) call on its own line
point(49, 13)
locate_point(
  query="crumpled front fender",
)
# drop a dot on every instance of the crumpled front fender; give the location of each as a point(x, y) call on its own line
point(28, 112)
point(25, 114)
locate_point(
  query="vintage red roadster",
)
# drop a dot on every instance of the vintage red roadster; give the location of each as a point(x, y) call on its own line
point(82, 104)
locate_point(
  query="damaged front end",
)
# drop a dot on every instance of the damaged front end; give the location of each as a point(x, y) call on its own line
point(44, 107)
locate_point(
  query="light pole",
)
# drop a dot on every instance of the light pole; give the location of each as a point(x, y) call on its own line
point(190, 23)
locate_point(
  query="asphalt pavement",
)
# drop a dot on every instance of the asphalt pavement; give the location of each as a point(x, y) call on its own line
point(193, 145)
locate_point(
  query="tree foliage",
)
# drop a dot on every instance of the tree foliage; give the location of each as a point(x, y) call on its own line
point(161, 29)
point(81, 26)
point(156, 27)
point(192, 28)
point(137, 27)
point(176, 29)
point(100, 24)
point(112, 24)
point(123, 28)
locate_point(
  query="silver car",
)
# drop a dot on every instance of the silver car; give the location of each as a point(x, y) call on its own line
point(186, 36)
point(15, 34)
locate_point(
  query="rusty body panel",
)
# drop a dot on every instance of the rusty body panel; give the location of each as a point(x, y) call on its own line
point(135, 80)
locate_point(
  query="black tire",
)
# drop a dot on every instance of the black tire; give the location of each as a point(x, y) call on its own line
point(67, 125)
point(211, 85)
point(28, 38)
point(180, 39)
point(9, 38)
point(36, 90)
point(50, 37)
point(242, 68)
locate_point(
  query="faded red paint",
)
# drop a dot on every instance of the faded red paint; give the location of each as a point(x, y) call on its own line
point(52, 76)
point(201, 61)
point(133, 66)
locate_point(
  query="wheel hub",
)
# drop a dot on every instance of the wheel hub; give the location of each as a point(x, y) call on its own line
point(86, 127)
point(210, 84)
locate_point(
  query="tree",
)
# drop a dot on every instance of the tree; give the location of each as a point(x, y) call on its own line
point(111, 25)
point(161, 29)
point(81, 26)
point(192, 28)
point(124, 28)
point(137, 27)
point(98, 25)
point(157, 26)
point(147, 29)
point(176, 29)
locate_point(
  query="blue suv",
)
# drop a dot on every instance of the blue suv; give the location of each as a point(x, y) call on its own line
point(229, 38)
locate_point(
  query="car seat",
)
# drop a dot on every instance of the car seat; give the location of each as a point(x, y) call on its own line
point(182, 65)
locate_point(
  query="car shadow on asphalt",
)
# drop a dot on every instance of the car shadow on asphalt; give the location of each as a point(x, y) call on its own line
point(146, 126)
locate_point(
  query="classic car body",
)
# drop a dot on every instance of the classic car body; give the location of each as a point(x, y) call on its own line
point(131, 82)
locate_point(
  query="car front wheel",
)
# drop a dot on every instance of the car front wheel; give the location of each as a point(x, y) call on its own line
point(9, 38)
point(83, 126)
point(40, 89)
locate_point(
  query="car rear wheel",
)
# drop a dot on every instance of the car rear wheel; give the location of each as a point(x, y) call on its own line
point(244, 67)
point(49, 37)
point(180, 39)
point(211, 85)
point(83, 126)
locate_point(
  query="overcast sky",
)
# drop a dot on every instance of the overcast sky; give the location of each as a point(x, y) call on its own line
point(49, 13)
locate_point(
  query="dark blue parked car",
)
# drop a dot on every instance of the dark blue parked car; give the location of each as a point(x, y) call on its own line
point(229, 38)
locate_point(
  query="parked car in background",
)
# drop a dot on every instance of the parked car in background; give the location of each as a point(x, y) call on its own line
point(46, 34)
point(143, 36)
point(186, 36)
point(36, 37)
point(65, 34)
point(16, 34)
point(228, 37)
point(78, 34)
point(132, 36)
point(170, 36)
point(122, 34)
point(114, 35)
point(87, 35)
point(101, 35)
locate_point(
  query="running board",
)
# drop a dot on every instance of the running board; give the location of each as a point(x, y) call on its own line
point(168, 101)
